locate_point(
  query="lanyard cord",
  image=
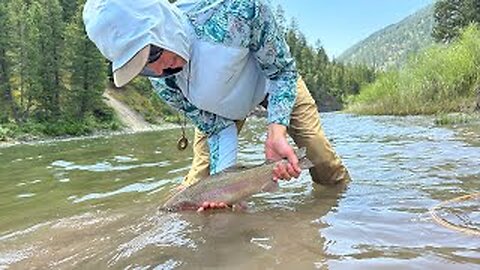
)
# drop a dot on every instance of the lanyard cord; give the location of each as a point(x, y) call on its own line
point(182, 143)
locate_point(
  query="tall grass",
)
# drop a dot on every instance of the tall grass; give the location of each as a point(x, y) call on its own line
point(440, 79)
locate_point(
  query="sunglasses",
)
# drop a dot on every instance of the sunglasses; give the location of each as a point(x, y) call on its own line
point(155, 54)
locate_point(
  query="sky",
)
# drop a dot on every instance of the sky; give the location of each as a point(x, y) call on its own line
point(339, 24)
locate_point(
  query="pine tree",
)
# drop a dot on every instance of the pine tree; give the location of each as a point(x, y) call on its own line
point(451, 16)
point(470, 11)
point(326, 80)
point(86, 68)
point(4, 70)
point(69, 8)
point(291, 37)
point(45, 35)
point(6, 96)
point(19, 48)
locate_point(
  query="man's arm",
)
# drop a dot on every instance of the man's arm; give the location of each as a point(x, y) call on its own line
point(273, 55)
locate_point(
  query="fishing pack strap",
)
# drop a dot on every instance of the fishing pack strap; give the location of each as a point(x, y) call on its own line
point(223, 149)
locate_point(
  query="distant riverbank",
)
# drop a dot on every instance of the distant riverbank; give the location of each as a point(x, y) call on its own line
point(452, 119)
point(32, 140)
point(441, 79)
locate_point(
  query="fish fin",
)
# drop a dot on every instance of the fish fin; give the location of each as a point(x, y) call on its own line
point(241, 206)
point(232, 168)
point(270, 186)
point(301, 152)
point(218, 176)
point(235, 168)
point(245, 166)
point(267, 162)
point(238, 167)
point(172, 193)
point(305, 163)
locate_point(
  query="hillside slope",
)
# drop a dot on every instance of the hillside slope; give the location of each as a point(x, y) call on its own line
point(131, 119)
point(391, 46)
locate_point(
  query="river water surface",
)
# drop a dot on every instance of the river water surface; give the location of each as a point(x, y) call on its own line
point(92, 204)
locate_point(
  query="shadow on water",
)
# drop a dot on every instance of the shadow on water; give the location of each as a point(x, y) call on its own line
point(92, 204)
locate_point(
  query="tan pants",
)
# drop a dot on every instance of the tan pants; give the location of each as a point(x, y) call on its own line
point(305, 130)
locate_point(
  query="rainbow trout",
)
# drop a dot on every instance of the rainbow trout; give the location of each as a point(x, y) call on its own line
point(230, 186)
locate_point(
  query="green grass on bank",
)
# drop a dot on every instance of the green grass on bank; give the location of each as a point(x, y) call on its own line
point(457, 119)
point(442, 79)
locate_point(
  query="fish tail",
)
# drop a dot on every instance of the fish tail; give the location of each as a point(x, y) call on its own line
point(301, 152)
point(304, 162)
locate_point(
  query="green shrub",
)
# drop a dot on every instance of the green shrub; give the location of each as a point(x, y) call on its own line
point(455, 119)
point(440, 79)
point(5, 133)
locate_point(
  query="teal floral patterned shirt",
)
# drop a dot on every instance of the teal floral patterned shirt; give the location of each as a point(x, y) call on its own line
point(239, 23)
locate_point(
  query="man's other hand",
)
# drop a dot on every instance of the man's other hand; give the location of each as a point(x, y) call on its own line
point(277, 148)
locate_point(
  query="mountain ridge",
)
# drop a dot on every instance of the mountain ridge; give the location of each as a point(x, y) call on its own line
point(390, 46)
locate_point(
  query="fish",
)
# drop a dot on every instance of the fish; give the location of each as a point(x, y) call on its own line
point(231, 186)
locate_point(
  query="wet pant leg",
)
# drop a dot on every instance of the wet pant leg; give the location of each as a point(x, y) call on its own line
point(306, 130)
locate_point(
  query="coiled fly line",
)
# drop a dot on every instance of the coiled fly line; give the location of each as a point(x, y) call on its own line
point(467, 230)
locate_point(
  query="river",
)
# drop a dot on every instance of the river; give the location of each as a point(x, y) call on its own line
point(92, 203)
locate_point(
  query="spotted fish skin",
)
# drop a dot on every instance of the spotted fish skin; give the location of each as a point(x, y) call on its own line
point(230, 186)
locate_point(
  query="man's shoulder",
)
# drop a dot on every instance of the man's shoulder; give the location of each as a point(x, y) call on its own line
point(248, 9)
point(243, 8)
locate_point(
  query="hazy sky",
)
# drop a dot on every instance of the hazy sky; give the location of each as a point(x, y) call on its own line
point(339, 24)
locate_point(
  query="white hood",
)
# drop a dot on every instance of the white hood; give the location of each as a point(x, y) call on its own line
point(121, 28)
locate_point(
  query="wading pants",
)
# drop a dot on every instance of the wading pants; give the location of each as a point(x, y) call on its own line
point(305, 130)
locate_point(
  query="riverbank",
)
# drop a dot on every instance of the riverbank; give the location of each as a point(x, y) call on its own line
point(453, 120)
point(33, 140)
point(132, 121)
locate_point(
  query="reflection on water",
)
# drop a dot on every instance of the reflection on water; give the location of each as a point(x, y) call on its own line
point(92, 204)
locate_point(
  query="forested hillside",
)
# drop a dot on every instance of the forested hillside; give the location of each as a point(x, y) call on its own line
point(51, 76)
point(391, 46)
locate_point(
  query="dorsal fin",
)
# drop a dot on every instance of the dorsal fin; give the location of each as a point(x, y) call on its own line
point(231, 169)
point(238, 167)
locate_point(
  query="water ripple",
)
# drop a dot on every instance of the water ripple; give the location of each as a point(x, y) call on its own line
point(136, 187)
point(105, 166)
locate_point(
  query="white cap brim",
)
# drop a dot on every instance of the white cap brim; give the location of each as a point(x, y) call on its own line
point(132, 68)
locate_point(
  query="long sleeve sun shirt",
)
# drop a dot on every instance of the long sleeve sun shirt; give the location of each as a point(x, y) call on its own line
point(247, 25)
